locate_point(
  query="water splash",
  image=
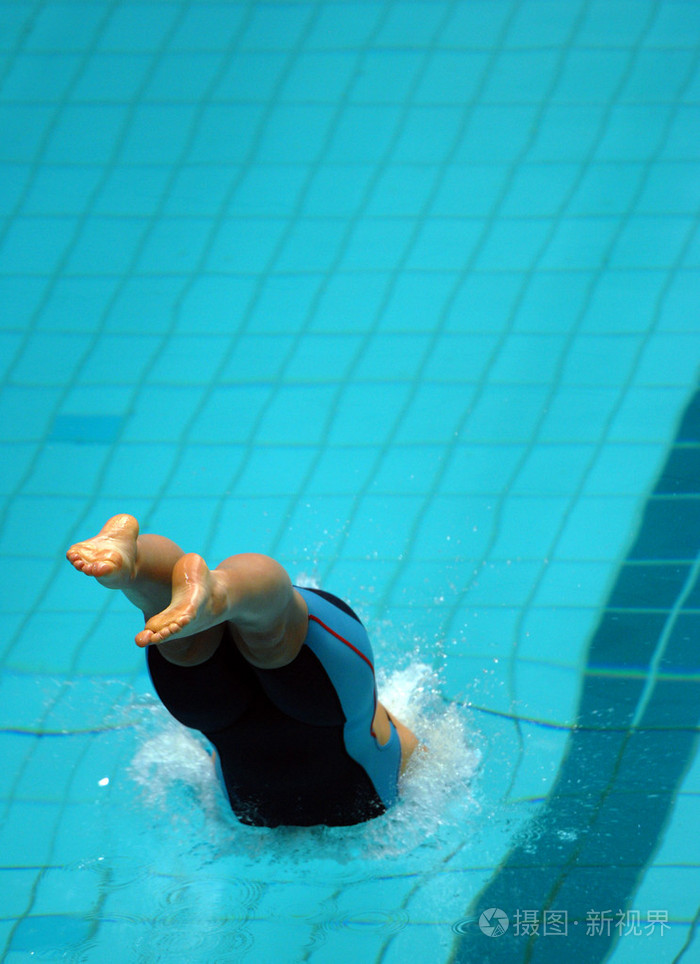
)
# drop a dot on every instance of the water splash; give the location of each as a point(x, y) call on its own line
point(173, 770)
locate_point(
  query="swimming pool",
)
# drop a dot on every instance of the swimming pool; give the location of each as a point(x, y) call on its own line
point(405, 294)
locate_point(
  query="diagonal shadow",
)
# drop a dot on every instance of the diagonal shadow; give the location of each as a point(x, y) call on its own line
point(634, 738)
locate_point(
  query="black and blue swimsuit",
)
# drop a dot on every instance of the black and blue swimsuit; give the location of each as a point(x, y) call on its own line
point(295, 745)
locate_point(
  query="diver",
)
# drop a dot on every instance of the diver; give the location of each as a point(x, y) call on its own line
point(280, 679)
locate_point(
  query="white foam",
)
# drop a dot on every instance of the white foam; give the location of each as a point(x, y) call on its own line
point(173, 768)
point(175, 757)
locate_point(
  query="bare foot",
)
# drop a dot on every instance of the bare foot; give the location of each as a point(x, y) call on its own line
point(110, 556)
point(198, 602)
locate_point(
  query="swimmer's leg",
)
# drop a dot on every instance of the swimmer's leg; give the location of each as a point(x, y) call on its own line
point(141, 566)
point(407, 739)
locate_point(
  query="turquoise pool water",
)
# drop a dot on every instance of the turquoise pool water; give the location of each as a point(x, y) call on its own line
point(405, 294)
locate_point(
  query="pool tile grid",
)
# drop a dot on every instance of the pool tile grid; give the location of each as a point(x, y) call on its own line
point(106, 429)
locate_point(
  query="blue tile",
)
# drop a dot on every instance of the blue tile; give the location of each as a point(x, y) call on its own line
point(454, 357)
point(18, 460)
point(356, 462)
point(343, 26)
point(528, 71)
point(411, 23)
point(50, 359)
point(339, 190)
point(324, 358)
point(386, 78)
point(444, 244)
point(245, 246)
point(650, 242)
point(350, 301)
point(57, 466)
point(312, 245)
point(513, 244)
point(40, 77)
point(529, 527)
point(62, 190)
point(633, 132)
point(270, 190)
point(629, 22)
point(137, 27)
point(428, 134)
point(42, 934)
point(680, 304)
point(208, 27)
point(298, 415)
point(270, 28)
point(590, 76)
point(27, 412)
point(477, 24)
point(408, 470)
point(23, 126)
point(65, 26)
point(157, 132)
point(295, 133)
point(367, 413)
point(451, 76)
point(225, 133)
point(174, 245)
point(647, 414)
point(379, 243)
point(206, 469)
point(76, 304)
point(193, 189)
point(86, 429)
point(480, 469)
point(363, 133)
point(135, 191)
point(389, 520)
point(251, 76)
point(182, 76)
point(675, 25)
point(274, 470)
point(228, 415)
point(27, 834)
point(15, 20)
point(658, 75)
point(37, 245)
point(574, 415)
point(319, 76)
point(85, 133)
point(539, 23)
point(261, 358)
point(580, 244)
point(158, 412)
point(126, 474)
point(114, 78)
point(433, 414)
point(105, 245)
point(623, 301)
point(596, 528)
point(466, 190)
point(209, 303)
point(395, 354)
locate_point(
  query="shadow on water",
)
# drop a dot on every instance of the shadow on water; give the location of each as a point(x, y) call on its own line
point(636, 734)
